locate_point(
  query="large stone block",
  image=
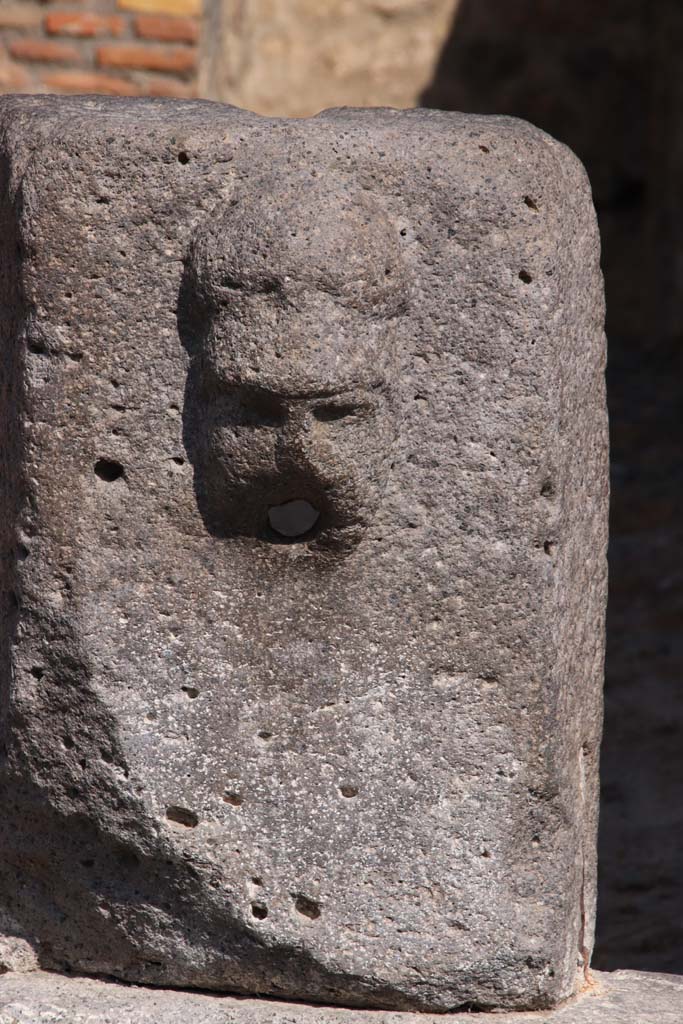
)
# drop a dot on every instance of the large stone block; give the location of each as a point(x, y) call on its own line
point(303, 537)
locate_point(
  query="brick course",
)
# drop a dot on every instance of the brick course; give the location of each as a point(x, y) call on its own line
point(172, 30)
point(116, 47)
point(84, 24)
point(43, 50)
point(148, 58)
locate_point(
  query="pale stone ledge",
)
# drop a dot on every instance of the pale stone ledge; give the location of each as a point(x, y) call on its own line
point(625, 997)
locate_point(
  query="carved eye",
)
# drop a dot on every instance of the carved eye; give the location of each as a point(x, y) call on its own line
point(261, 406)
point(332, 411)
point(262, 286)
point(233, 284)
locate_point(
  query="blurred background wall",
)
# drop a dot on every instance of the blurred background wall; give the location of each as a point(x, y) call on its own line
point(295, 57)
point(118, 47)
point(606, 78)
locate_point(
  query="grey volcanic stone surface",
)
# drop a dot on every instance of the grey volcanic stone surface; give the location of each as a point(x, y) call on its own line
point(303, 536)
point(624, 997)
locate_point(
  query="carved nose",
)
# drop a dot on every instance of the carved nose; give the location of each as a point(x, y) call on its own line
point(298, 422)
point(297, 434)
point(305, 469)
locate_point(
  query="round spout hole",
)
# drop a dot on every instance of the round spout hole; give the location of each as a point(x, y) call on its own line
point(293, 518)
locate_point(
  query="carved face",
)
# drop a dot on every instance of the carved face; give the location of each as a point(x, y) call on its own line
point(294, 372)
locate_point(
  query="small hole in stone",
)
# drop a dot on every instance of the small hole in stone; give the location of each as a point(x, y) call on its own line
point(88, 863)
point(102, 200)
point(183, 157)
point(259, 911)
point(307, 907)
point(530, 203)
point(178, 460)
point(182, 816)
point(22, 552)
point(37, 672)
point(68, 742)
point(403, 232)
point(525, 276)
point(265, 735)
point(548, 489)
point(256, 880)
point(485, 853)
point(108, 470)
point(234, 799)
point(293, 518)
point(348, 791)
point(548, 547)
point(191, 691)
point(485, 149)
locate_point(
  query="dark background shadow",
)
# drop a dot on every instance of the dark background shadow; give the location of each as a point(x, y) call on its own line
point(607, 79)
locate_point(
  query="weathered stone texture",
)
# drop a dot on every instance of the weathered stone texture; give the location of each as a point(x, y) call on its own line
point(357, 768)
point(606, 80)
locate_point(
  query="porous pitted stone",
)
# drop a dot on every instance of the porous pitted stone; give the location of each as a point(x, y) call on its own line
point(304, 524)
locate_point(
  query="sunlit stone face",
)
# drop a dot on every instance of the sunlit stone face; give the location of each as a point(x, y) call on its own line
point(292, 391)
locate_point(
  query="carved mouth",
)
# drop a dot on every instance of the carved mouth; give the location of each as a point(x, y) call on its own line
point(293, 521)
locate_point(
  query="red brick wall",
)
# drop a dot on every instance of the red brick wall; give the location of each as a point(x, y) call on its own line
point(119, 47)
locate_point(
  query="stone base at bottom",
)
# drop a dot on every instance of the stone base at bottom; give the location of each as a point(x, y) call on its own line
point(624, 997)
